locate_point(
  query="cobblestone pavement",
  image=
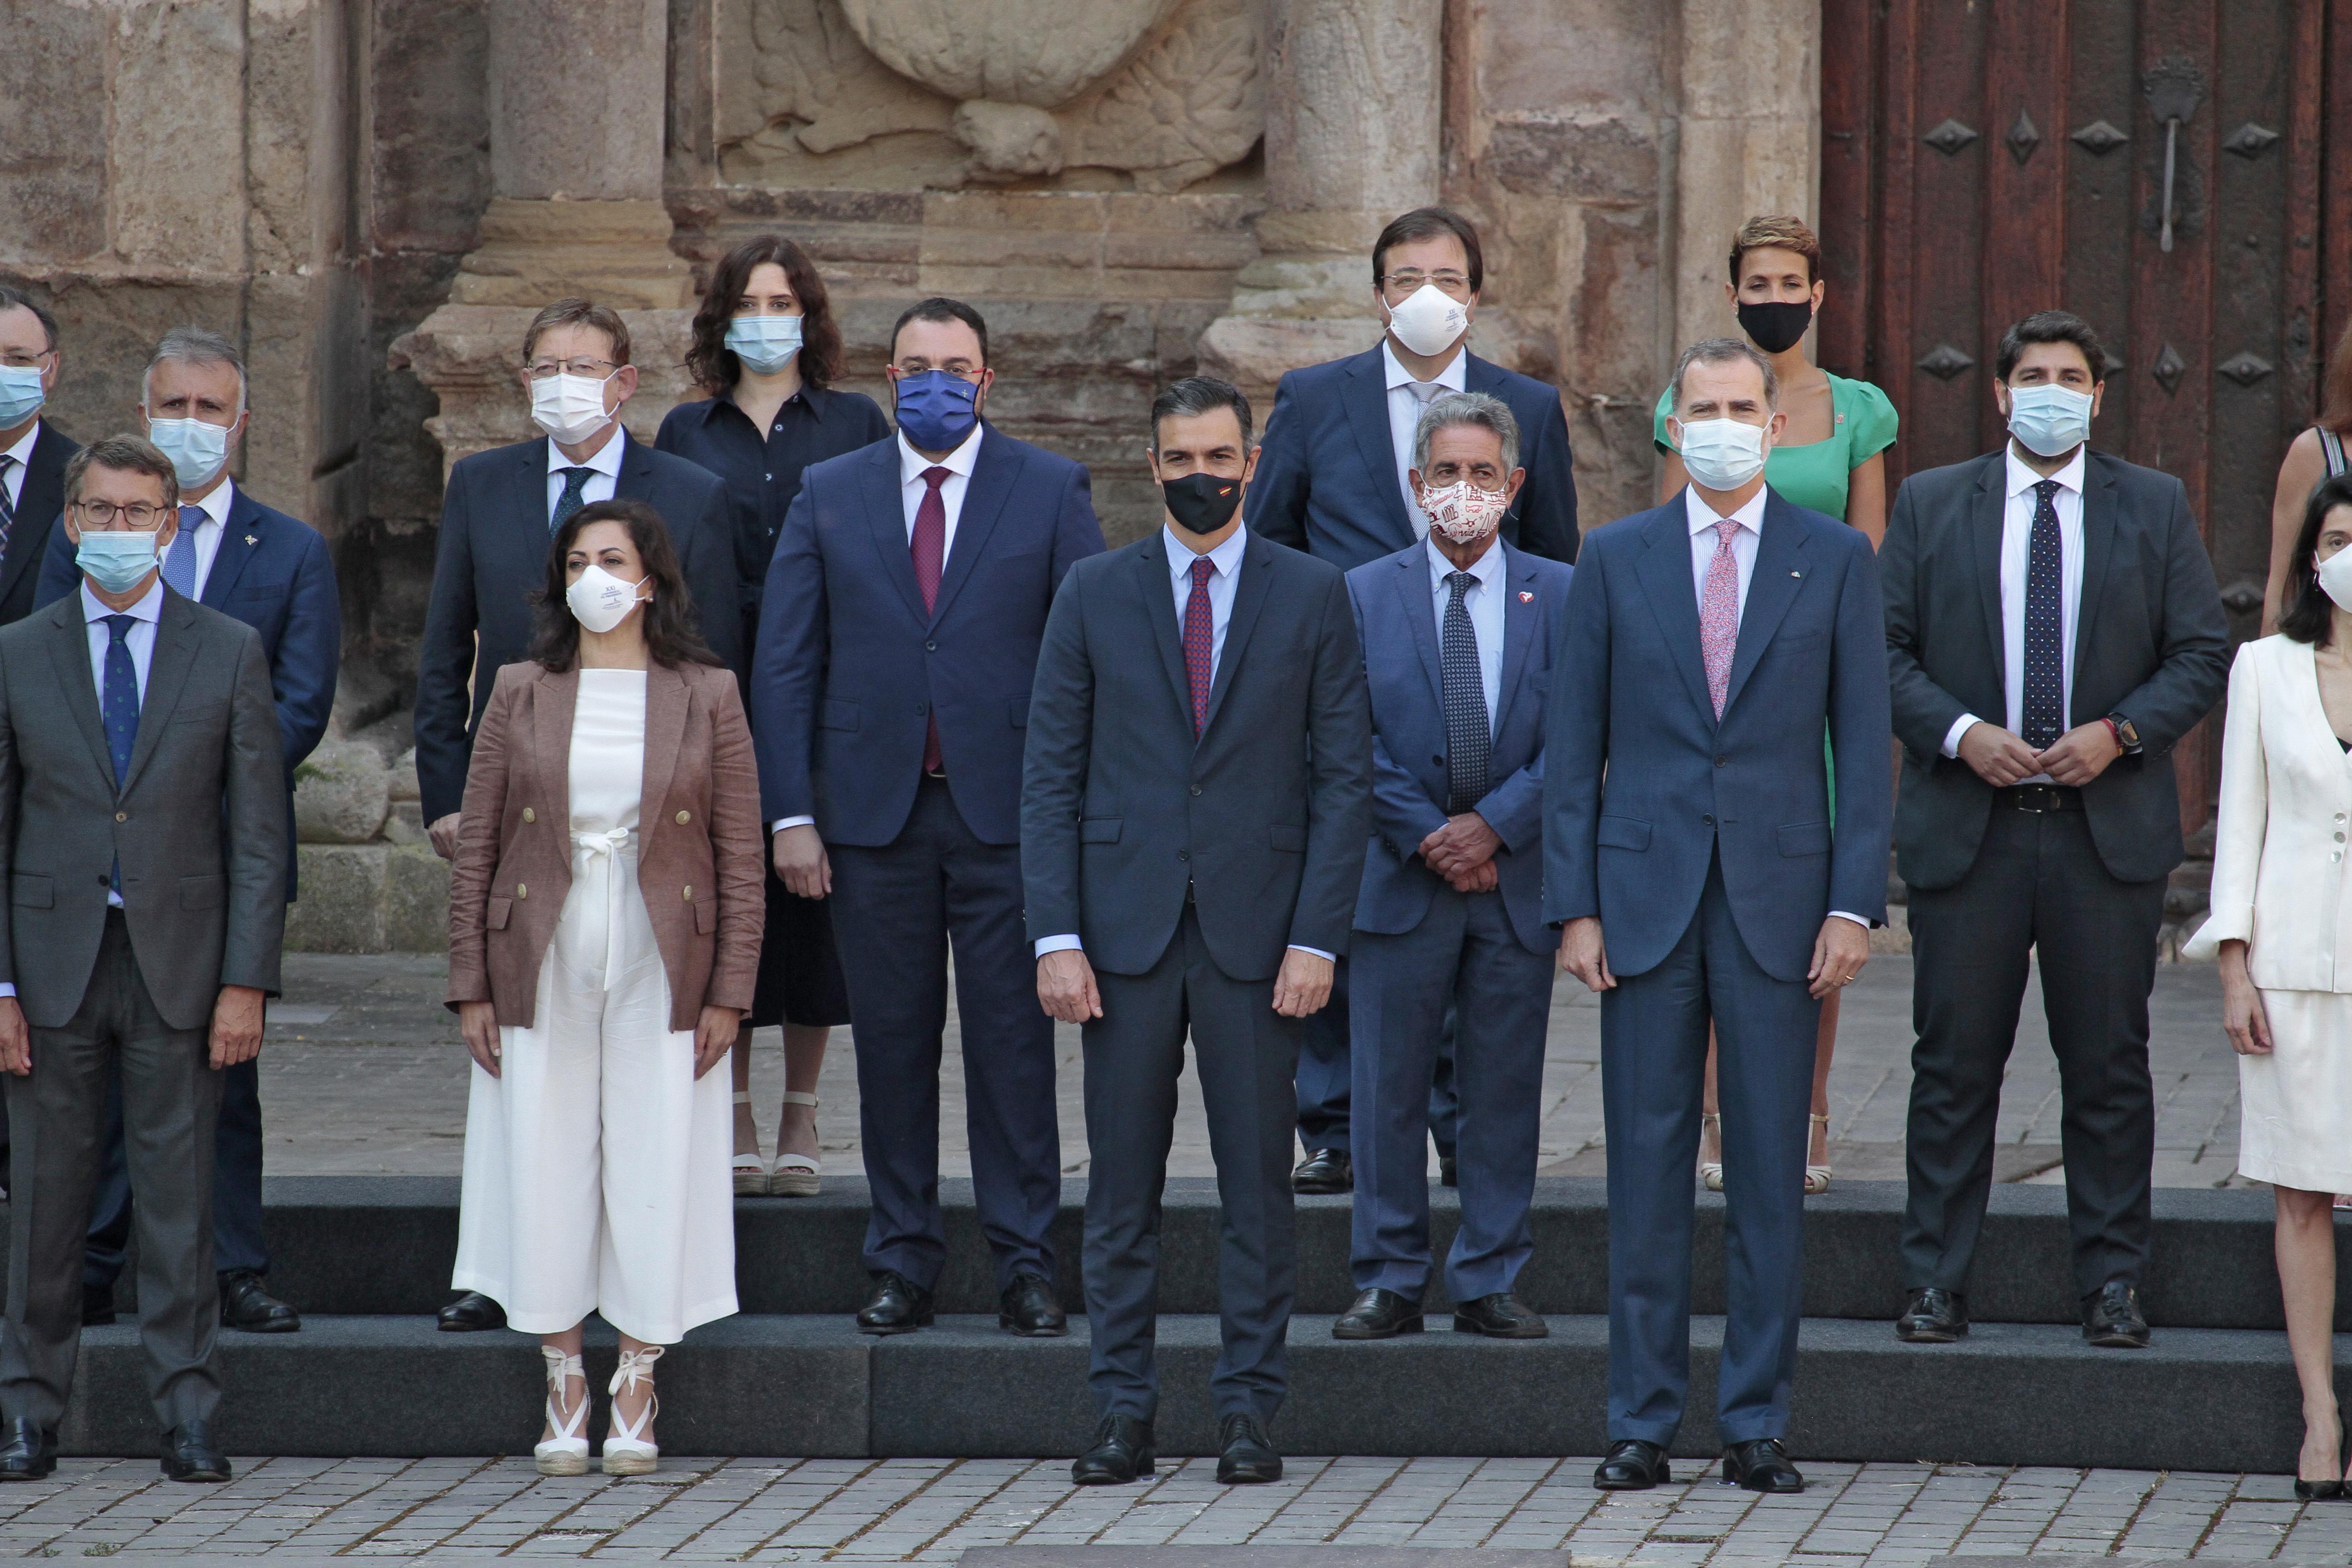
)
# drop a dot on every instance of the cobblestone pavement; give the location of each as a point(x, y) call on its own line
point(363, 1072)
point(898, 1511)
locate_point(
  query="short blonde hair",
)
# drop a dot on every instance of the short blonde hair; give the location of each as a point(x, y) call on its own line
point(1781, 233)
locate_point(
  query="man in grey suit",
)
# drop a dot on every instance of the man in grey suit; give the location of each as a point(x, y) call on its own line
point(1194, 806)
point(142, 834)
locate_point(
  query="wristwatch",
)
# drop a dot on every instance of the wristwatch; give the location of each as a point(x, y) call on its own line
point(2126, 734)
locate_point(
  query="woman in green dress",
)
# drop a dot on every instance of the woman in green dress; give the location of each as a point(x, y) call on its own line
point(1831, 458)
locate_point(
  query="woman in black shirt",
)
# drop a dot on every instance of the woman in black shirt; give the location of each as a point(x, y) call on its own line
point(766, 350)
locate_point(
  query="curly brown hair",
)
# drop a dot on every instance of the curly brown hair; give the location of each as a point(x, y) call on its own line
point(713, 364)
point(673, 635)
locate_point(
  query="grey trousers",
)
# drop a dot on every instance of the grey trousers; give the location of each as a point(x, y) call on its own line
point(171, 1103)
point(1246, 1052)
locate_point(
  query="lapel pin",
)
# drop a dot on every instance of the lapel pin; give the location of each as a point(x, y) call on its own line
point(1525, 597)
point(1796, 574)
point(250, 540)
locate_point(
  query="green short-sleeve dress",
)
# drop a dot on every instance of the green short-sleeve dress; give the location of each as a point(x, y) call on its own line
point(1815, 475)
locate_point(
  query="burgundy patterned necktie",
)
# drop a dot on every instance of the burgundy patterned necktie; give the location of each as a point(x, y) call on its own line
point(1199, 644)
point(929, 545)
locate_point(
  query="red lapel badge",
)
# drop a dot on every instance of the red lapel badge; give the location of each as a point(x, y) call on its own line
point(1525, 597)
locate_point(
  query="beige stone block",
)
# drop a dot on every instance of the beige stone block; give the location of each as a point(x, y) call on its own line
point(534, 253)
point(400, 784)
point(175, 189)
point(1352, 108)
point(341, 906)
point(53, 101)
point(417, 901)
point(341, 793)
point(1253, 352)
point(577, 89)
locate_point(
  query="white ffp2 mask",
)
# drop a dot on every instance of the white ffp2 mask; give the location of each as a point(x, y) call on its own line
point(601, 601)
point(1429, 321)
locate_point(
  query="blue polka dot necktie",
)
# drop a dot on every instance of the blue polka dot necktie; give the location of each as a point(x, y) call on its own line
point(119, 708)
point(180, 561)
point(575, 480)
point(1469, 741)
point(2045, 624)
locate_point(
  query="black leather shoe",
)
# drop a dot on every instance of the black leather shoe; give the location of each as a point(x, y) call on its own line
point(1323, 1173)
point(2112, 1319)
point(1633, 1464)
point(189, 1453)
point(1379, 1315)
point(30, 1453)
point(1932, 1316)
point(1449, 1172)
point(245, 1305)
point(1501, 1316)
point(1245, 1457)
point(2305, 1491)
point(899, 1306)
point(1122, 1451)
point(1761, 1465)
point(471, 1313)
point(97, 1305)
point(1029, 1308)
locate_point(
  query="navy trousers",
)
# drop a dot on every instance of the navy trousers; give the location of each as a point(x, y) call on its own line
point(897, 910)
point(1464, 958)
point(237, 1240)
point(1653, 1071)
point(1323, 1076)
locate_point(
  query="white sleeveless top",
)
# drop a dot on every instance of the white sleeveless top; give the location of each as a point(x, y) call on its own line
point(608, 750)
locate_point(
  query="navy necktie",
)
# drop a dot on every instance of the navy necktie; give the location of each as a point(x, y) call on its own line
point(119, 707)
point(574, 482)
point(8, 508)
point(2045, 624)
point(1469, 740)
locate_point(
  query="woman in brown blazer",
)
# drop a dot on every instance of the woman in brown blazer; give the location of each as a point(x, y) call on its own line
point(605, 924)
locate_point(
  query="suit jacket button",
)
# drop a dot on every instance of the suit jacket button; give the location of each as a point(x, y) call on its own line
point(1722, 761)
point(104, 880)
point(1184, 854)
point(521, 891)
point(687, 892)
point(930, 648)
point(1196, 789)
point(684, 817)
point(1709, 821)
point(125, 816)
point(922, 709)
point(528, 815)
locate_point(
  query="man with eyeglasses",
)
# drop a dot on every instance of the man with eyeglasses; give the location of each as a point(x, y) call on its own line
point(143, 836)
point(33, 452)
point(1335, 481)
point(497, 515)
point(274, 572)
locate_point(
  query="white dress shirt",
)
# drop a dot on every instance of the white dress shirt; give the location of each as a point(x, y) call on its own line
point(2016, 562)
point(22, 452)
point(604, 465)
point(1483, 600)
point(1226, 561)
point(209, 532)
point(1704, 538)
point(913, 487)
point(1404, 416)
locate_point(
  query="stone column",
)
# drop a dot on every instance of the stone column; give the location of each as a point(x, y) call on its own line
point(1353, 138)
point(578, 94)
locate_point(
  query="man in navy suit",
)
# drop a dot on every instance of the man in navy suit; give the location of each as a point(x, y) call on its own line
point(1457, 633)
point(274, 572)
point(1194, 812)
point(1690, 855)
point(1334, 480)
point(33, 452)
point(898, 640)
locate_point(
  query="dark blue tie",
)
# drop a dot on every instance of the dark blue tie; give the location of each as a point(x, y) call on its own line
point(575, 480)
point(119, 707)
point(1469, 740)
point(2045, 624)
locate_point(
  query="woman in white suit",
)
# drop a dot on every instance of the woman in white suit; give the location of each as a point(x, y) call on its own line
point(2282, 928)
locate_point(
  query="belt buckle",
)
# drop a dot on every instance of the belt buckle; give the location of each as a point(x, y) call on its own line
point(2040, 799)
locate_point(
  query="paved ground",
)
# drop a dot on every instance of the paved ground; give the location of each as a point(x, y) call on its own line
point(363, 1072)
point(810, 1510)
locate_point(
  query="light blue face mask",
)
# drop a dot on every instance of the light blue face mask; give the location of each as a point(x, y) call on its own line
point(2048, 419)
point(117, 562)
point(21, 395)
point(764, 343)
point(197, 448)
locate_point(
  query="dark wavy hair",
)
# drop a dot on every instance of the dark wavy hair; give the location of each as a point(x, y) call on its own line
point(673, 637)
point(2309, 615)
point(713, 364)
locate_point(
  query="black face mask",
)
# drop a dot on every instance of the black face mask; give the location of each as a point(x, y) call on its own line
point(1203, 504)
point(1775, 326)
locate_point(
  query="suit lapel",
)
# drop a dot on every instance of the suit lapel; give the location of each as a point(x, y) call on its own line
point(1419, 602)
point(69, 659)
point(555, 698)
point(1772, 587)
point(241, 539)
point(1520, 616)
point(635, 480)
point(1152, 581)
point(1666, 575)
point(1366, 396)
point(667, 700)
point(167, 674)
point(1989, 518)
point(994, 471)
point(1249, 597)
point(886, 522)
point(2099, 524)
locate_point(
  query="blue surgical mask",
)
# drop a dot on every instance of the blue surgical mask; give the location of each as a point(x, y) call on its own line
point(935, 410)
point(764, 343)
point(21, 395)
point(197, 448)
point(2049, 419)
point(116, 561)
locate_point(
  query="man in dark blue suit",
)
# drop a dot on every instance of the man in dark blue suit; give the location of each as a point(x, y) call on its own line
point(274, 572)
point(898, 640)
point(1689, 853)
point(32, 453)
point(1193, 815)
point(1333, 480)
point(1457, 633)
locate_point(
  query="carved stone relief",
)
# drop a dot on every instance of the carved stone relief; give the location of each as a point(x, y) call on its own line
point(1149, 95)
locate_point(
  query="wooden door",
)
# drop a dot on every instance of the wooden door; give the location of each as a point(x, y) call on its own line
point(2161, 168)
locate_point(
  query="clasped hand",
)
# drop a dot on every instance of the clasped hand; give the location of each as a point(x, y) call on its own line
point(2074, 759)
point(1463, 852)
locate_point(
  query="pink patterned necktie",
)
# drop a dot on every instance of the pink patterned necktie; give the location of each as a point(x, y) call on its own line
point(1719, 614)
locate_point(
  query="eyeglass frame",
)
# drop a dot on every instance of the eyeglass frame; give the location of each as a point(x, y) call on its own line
point(105, 521)
point(1446, 282)
point(33, 364)
point(564, 367)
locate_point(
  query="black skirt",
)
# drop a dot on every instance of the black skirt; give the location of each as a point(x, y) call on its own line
point(800, 972)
